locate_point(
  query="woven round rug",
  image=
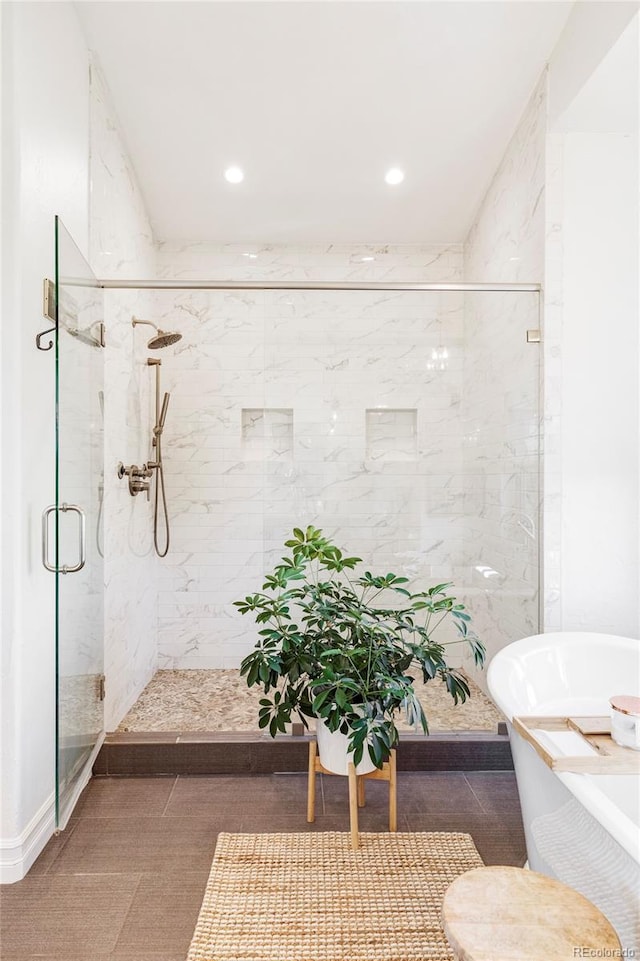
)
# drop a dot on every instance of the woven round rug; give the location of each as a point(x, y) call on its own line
point(311, 897)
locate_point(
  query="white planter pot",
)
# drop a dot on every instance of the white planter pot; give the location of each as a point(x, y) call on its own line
point(332, 748)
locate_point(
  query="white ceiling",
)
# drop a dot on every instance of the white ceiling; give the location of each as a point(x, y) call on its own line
point(315, 101)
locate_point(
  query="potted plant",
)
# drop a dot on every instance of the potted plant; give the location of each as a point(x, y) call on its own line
point(341, 648)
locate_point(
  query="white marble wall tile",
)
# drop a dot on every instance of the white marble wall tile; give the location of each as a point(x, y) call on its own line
point(201, 260)
point(317, 361)
point(505, 243)
point(122, 246)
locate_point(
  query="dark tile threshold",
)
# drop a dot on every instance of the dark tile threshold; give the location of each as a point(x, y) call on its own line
point(172, 752)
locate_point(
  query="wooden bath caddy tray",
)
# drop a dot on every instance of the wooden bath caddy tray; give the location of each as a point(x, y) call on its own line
point(610, 758)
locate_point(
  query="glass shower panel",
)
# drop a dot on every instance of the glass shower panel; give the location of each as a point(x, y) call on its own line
point(405, 424)
point(501, 419)
point(78, 518)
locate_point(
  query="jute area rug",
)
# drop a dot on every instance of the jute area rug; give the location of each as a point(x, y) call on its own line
point(310, 897)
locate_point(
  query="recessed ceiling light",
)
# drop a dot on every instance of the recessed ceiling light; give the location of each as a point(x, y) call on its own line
point(234, 175)
point(365, 259)
point(394, 176)
point(251, 256)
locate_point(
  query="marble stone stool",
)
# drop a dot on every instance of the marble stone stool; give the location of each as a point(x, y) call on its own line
point(510, 914)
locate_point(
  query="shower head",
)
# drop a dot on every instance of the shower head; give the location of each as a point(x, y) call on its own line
point(163, 338)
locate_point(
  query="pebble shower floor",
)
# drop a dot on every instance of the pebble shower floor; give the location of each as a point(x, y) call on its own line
point(219, 700)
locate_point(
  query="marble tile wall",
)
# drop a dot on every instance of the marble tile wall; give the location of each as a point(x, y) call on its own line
point(267, 427)
point(331, 262)
point(501, 403)
point(121, 245)
point(405, 424)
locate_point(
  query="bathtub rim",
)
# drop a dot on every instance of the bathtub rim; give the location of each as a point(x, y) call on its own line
point(583, 787)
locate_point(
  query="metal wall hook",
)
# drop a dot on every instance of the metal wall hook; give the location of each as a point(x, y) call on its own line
point(44, 333)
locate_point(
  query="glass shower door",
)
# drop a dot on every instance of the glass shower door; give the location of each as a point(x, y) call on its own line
point(75, 521)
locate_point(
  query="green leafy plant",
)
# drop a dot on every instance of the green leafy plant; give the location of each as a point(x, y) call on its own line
point(330, 648)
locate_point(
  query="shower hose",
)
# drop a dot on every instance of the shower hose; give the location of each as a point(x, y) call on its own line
point(160, 490)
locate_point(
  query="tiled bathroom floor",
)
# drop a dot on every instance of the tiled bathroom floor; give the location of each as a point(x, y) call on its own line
point(219, 700)
point(126, 879)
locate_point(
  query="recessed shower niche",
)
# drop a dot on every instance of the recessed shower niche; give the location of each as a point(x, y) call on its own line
point(267, 433)
point(392, 434)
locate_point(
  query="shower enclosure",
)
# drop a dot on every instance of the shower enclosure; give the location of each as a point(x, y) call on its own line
point(402, 419)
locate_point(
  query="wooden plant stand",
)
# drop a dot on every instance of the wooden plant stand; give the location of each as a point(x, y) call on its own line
point(356, 790)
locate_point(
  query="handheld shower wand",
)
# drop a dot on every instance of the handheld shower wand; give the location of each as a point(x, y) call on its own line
point(163, 412)
point(159, 490)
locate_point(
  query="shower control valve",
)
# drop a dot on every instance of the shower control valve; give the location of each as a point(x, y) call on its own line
point(137, 486)
point(138, 482)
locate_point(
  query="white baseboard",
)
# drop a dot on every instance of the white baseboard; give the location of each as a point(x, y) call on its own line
point(17, 854)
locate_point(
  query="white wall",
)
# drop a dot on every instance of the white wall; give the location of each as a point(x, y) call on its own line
point(600, 385)
point(593, 259)
point(45, 140)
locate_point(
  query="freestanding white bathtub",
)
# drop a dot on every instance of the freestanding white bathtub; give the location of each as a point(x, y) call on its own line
point(582, 829)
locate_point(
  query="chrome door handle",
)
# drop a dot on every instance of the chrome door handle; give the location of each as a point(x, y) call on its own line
point(45, 537)
point(82, 539)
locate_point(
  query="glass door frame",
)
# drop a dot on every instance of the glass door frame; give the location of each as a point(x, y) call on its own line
point(85, 691)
